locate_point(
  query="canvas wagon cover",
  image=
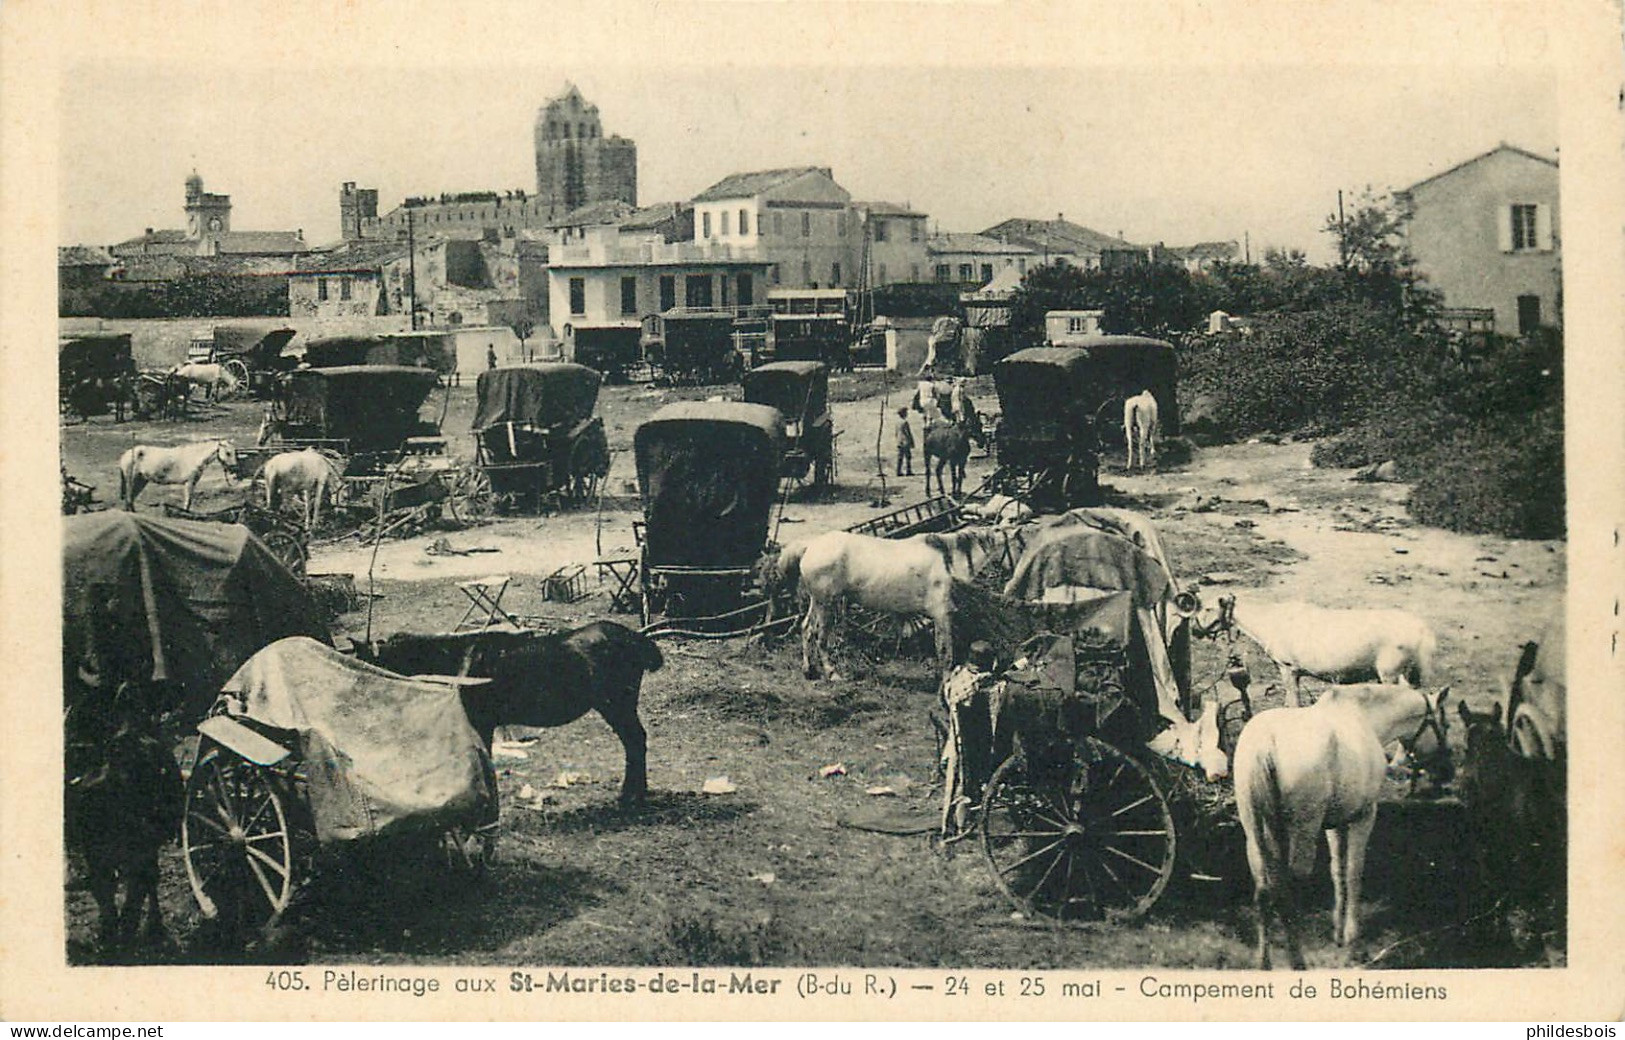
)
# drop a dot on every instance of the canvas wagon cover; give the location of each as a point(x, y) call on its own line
point(547, 395)
point(381, 752)
point(177, 601)
point(261, 347)
point(374, 406)
point(799, 389)
point(709, 475)
point(83, 356)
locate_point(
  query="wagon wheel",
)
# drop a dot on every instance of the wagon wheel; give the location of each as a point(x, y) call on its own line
point(472, 501)
point(239, 371)
point(589, 463)
point(235, 837)
point(289, 548)
point(1089, 836)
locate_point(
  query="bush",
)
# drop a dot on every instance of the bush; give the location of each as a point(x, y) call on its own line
point(195, 296)
point(1495, 480)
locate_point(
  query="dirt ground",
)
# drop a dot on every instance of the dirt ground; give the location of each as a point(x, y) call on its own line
point(770, 874)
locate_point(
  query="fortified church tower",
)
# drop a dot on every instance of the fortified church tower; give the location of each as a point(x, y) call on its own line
point(575, 163)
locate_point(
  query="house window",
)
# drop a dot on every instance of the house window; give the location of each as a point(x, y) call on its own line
point(1021, 264)
point(1528, 314)
point(987, 273)
point(578, 296)
point(966, 272)
point(726, 216)
point(723, 281)
point(806, 272)
point(945, 273)
point(705, 225)
point(913, 272)
point(321, 288)
point(914, 231)
point(345, 284)
point(778, 226)
point(880, 231)
point(1523, 227)
point(697, 290)
point(840, 224)
point(835, 274)
point(668, 292)
point(775, 268)
point(746, 289)
point(806, 225)
point(629, 295)
point(744, 222)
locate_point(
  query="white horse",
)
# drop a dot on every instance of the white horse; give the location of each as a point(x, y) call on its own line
point(908, 577)
point(1299, 773)
point(182, 464)
point(307, 473)
point(1334, 645)
point(1140, 427)
point(214, 378)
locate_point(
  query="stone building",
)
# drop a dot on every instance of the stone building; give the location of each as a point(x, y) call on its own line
point(576, 165)
point(1486, 234)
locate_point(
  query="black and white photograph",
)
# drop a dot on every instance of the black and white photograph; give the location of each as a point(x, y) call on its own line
point(813, 500)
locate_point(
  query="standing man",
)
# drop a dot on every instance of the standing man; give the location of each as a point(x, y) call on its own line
point(905, 444)
point(490, 355)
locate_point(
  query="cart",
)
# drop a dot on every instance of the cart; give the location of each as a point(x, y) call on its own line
point(708, 473)
point(800, 392)
point(535, 434)
point(254, 355)
point(307, 747)
point(96, 375)
point(1075, 769)
point(692, 345)
point(811, 325)
point(287, 540)
point(397, 468)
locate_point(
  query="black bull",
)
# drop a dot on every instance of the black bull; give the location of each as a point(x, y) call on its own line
point(542, 679)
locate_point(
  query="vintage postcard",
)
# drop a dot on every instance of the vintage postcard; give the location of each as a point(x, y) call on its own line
point(997, 510)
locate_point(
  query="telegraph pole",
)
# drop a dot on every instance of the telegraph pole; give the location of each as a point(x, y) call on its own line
point(412, 267)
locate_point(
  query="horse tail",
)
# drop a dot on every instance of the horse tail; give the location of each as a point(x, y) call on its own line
point(1260, 806)
point(1426, 646)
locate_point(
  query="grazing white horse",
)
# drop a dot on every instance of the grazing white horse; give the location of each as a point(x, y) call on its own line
point(1299, 773)
point(1335, 645)
point(307, 473)
point(908, 576)
point(1140, 427)
point(214, 378)
point(182, 464)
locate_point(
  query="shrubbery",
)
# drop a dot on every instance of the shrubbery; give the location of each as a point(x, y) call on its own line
point(208, 295)
point(1502, 479)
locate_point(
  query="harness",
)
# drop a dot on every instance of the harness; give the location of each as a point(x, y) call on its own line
point(1432, 719)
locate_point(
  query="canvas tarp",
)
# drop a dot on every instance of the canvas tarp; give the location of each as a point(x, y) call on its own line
point(374, 406)
point(1088, 554)
point(709, 476)
point(543, 395)
point(176, 602)
point(381, 752)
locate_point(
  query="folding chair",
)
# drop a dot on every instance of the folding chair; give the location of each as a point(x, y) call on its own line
point(485, 603)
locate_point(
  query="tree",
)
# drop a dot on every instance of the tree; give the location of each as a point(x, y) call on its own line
point(1375, 262)
point(523, 327)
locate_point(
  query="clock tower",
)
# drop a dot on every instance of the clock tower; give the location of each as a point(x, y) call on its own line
point(206, 215)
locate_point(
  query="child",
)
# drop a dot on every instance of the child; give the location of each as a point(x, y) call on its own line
point(905, 444)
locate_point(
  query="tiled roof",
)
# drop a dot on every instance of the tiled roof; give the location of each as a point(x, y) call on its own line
point(960, 242)
point(357, 256)
point(607, 211)
point(83, 256)
point(652, 216)
point(1207, 250)
point(744, 185)
point(262, 242)
point(1056, 236)
point(164, 236)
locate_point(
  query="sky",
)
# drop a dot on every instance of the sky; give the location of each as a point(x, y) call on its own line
point(1161, 140)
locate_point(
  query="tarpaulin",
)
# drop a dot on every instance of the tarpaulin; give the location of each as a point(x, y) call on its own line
point(542, 395)
point(381, 752)
point(177, 602)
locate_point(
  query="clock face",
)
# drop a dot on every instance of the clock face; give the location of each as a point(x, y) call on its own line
point(214, 224)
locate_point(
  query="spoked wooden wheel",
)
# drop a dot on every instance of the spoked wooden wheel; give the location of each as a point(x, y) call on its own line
point(239, 850)
point(1086, 837)
point(287, 547)
point(472, 499)
point(239, 372)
